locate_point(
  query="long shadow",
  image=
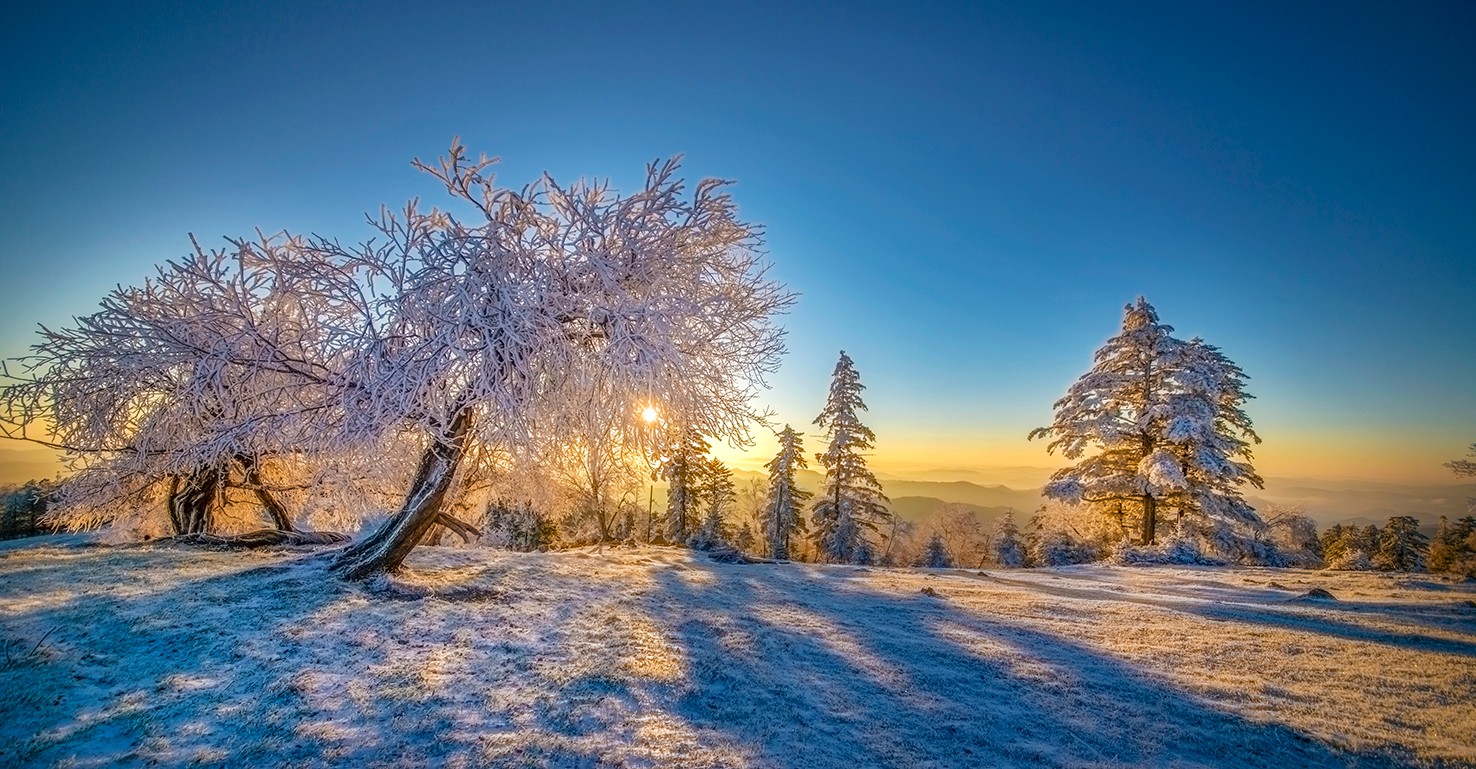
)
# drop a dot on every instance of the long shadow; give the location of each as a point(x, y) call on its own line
point(1291, 616)
point(273, 663)
point(785, 666)
point(134, 672)
point(1456, 615)
point(883, 680)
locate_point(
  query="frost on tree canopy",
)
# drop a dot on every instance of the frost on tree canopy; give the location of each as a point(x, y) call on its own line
point(1156, 425)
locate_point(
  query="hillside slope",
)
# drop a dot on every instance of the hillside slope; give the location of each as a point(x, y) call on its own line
point(654, 657)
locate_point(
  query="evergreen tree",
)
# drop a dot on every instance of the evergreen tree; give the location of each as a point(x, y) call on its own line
point(852, 503)
point(744, 539)
point(935, 555)
point(1401, 545)
point(1460, 542)
point(1157, 422)
point(24, 508)
point(1334, 541)
point(1445, 546)
point(781, 512)
point(684, 468)
point(715, 495)
point(1009, 550)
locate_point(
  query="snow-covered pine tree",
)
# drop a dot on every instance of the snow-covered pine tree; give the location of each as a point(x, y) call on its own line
point(683, 469)
point(1157, 422)
point(1401, 545)
point(1009, 550)
point(935, 554)
point(714, 496)
point(852, 502)
point(781, 512)
point(744, 539)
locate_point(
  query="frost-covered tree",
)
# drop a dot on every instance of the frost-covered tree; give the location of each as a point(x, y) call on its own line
point(963, 534)
point(1156, 423)
point(214, 374)
point(684, 467)
point(593, 461)
point(496, 319)
point(518, 527)
point(714, 495)
point(851, 503)
point(1401, 546)
point(935, 554)
point(1009, 550)
point(781, 510)
point(1349, 548)
point(744, 539)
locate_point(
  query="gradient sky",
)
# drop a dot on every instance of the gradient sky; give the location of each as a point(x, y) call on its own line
point(964, 194)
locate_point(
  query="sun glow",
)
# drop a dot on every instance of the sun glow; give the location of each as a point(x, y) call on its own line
point(650, 414)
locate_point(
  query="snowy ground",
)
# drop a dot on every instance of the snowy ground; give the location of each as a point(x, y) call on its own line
point(654, 657)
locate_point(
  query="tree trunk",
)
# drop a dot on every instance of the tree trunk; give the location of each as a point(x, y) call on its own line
point(274, 509)
point(387, 548)
point(1150, 505)
point(190, 499)
point(1150, 519)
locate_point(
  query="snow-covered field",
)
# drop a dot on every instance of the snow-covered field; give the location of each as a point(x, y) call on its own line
point(657, 657)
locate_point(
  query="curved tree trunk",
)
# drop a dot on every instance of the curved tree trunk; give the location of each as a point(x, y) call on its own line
point(274, 509)
point(387, 548)
point(190, 499)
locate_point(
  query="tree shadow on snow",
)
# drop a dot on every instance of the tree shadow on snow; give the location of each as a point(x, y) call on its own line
point(806, 669)
point(1305, 616)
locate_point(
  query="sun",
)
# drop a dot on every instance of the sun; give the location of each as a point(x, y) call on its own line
point(650, 414)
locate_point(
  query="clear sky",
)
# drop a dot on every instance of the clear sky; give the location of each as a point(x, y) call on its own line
point(965, 194)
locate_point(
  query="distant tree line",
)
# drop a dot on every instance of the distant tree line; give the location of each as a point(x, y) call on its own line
point(25, 509)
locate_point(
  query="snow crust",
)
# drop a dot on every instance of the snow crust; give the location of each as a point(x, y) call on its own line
point(654, 657)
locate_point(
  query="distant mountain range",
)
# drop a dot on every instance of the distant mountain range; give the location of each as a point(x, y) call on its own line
point(20, 465)
point(919, 495)
point(1327, 502)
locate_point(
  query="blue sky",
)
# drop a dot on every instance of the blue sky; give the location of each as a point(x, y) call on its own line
point(964, 194)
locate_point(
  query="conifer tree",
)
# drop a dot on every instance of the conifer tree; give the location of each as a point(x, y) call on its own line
point(935, 554)
point(1401, 545)
point(1157, 422)
point(852, 502)
point(1445, 546)
point(715, 495)
point(1334, 541)
point(1009, 550)
point(684, 468)
point(781, 512)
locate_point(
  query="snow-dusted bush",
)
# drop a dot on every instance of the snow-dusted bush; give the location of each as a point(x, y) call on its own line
point(1177, 551)
point(517, 527)
point(1058, 548)
point(1351, 560)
